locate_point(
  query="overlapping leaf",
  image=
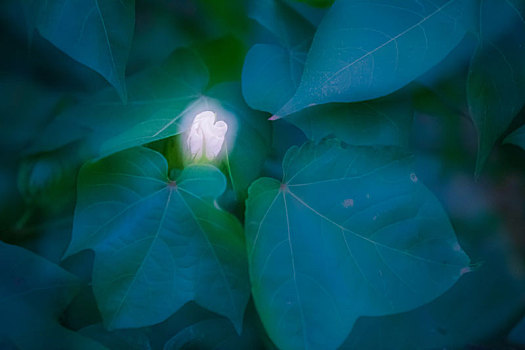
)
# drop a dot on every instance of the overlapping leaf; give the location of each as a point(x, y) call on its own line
point(272, 71)
point(158, 243)
point(348, 232)
point(33, 292)
point(497, 74)
point(364, 50)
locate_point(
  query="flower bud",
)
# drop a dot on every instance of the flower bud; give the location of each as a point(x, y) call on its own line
point(206, 136)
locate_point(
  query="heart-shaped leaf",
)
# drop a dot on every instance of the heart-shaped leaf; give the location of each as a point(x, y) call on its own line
point(347, 232)
point(158, 243)
point(367, 49)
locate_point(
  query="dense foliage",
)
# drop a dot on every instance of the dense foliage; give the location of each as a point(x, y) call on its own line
point(365, 189)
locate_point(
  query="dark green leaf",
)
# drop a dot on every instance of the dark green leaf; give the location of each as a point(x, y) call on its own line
point(318, 3)
point(97, 33)
point(348, 232)
point(288, 28)
point(497, 74)
point(517, 335)
point(125, 339)
point(158, 243)
point(517, 137)
point(378, 122)
point(365, 50)
point(33, 293)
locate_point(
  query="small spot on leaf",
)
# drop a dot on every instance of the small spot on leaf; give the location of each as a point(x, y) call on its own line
point(348, 203)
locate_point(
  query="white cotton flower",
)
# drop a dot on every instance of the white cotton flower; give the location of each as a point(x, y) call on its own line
point(206, 136)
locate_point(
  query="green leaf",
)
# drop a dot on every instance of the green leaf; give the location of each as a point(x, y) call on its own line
point(33, 293)
point(158, 99)
point(365, 50)
point(385, 121)
point(158, 243)
point(96, 33)
point(517, 137)
point(348, 232)
point(497, 74)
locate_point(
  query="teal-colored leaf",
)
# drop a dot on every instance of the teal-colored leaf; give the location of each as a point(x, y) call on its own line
point(272, 71)
point(287, 27)
point(157, 101)
point(122, 339)
point(347, 232)
point(473, 312)
point(497, 74)
point(158, 243)
point(271, 74)
point(246, 144)
point(33, 293)
point(385, 121)
point(364, 50)
point(212, 334)
point(517, 137)
point(96, 33)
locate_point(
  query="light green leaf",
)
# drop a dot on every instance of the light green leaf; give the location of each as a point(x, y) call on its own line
point(347, 232)
point(158, 243)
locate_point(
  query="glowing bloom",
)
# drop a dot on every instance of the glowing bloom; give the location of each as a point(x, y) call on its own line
point(206, 136)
